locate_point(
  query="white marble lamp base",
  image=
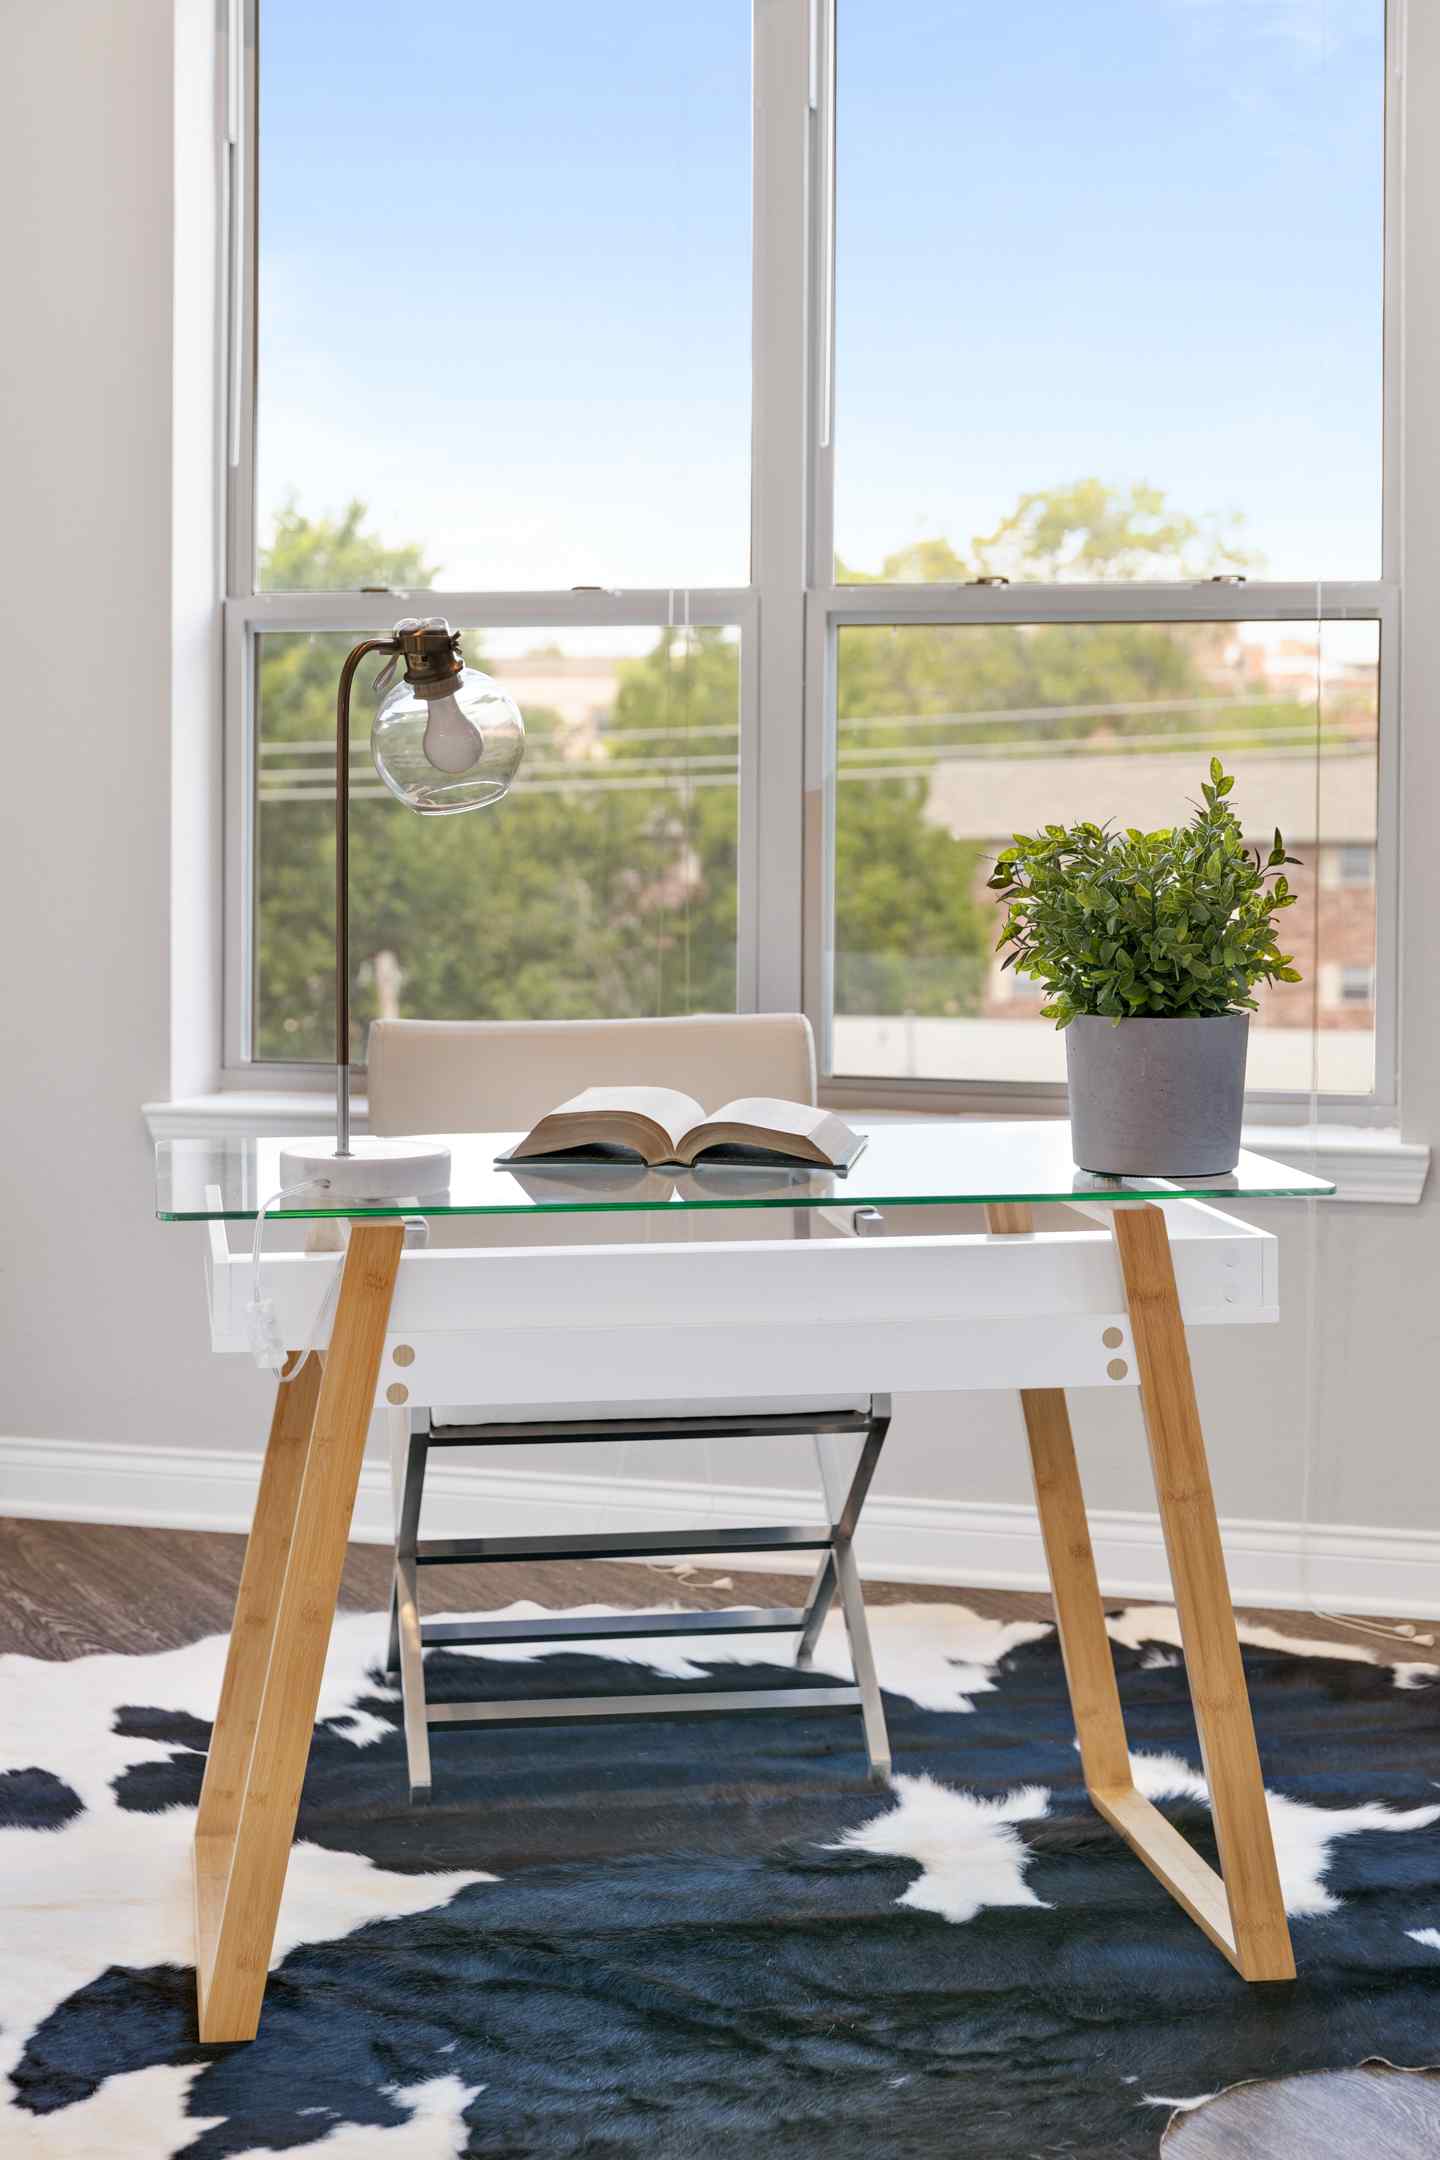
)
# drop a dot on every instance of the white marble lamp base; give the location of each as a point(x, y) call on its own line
point(374, 1170)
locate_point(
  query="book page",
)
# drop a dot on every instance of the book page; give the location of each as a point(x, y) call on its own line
point(803, 1120)
point(605, 1121)
point(771, 1125)
point(673, 1112)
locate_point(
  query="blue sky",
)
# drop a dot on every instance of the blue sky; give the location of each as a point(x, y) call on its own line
point(1134, 238)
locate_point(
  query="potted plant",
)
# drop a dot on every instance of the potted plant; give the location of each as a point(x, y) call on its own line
point(1149, 946)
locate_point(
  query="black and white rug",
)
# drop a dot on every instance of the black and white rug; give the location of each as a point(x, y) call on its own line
point(706, 1937)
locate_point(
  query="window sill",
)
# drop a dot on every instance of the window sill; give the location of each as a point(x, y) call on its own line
point(1368, 1164)
point(269, 1113)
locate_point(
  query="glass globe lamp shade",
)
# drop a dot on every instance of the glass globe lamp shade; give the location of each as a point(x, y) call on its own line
point(442, 749)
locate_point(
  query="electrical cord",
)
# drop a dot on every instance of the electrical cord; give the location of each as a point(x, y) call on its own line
point(1402, 1631)
point(266, 1345)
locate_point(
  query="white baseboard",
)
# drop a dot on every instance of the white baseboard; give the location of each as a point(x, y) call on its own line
point(1352, 1568)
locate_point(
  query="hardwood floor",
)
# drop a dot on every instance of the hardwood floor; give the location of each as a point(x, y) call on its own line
point(67, 1589)
point(70, 1588)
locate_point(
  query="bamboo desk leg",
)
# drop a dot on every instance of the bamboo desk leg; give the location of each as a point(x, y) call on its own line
point(1243, 1914)
point(276, 1660)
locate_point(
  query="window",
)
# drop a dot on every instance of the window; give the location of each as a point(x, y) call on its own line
point(1347, 986)
point(1354, 865)
point(838, 490)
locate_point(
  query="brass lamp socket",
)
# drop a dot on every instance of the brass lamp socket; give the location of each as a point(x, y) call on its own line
point(431, 654)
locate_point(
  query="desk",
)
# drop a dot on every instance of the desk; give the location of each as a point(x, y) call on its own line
point(734, 1318)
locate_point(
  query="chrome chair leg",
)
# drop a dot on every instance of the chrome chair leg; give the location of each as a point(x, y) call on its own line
point(822, 1593)
point(817, 1610)
point(405, 1616)
point(392, 1645)
point(845, 1503)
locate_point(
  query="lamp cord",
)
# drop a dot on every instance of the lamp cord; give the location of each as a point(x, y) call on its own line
point(266, 1346)
point(1402, 1631)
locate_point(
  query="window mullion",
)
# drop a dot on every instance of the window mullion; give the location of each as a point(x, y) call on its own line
point(820, 550)
point(238, 150)
point(771, 868)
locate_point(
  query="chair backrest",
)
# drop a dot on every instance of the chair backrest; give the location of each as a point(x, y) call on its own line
point(438, 1076)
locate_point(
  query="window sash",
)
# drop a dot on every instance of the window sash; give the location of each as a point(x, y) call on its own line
point(833, 609)
point(791, 611)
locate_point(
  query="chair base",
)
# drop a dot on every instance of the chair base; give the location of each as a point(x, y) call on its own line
point(837, 1575)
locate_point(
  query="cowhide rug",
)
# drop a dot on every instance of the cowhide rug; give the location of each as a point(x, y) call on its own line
point(705, 1937)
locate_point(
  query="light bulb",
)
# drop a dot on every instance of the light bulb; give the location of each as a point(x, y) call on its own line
point(443, 755)
point(452, 743)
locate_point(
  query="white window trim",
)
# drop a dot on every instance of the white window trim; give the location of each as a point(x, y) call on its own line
point(790, 613)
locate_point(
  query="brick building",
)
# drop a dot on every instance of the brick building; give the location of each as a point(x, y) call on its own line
point(1331, 932)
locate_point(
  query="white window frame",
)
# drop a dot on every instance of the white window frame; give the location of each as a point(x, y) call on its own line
point(790, 614)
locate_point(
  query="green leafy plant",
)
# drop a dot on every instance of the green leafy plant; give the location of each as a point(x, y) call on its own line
point(1171, 925)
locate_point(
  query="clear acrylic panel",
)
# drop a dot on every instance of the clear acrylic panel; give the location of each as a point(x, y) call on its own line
point(602, 885)
point(1108, 289)
point(504, 291)
point(951, 737)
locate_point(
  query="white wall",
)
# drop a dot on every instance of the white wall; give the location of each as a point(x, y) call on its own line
point(90, 547)
point(105, 512)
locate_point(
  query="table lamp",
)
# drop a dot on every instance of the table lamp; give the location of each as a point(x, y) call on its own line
point(447, 739)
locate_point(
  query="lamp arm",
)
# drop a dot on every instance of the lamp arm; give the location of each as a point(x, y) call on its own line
point(342, 883)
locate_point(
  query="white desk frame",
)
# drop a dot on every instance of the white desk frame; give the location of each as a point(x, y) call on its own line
point(1038, 1311)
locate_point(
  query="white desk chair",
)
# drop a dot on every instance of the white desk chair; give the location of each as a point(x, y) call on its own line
point(497, 1076)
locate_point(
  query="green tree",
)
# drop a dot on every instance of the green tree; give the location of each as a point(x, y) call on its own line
point(295, 838)
point(1083, 531)
point(1090, 531)
point(337, 555)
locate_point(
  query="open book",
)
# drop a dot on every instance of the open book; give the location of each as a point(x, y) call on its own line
point(660, 1126)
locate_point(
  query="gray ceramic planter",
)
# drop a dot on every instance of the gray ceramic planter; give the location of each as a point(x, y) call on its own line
point(1157, 1098)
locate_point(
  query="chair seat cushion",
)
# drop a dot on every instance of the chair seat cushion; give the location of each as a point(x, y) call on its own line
point(686, 1407)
